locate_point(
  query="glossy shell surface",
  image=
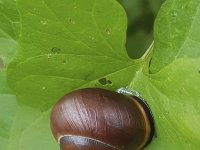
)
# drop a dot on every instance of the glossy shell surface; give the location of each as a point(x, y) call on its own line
point(94, 119)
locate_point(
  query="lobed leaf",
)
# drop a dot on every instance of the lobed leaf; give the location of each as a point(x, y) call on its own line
point(176, 33)
point(64, 45)
point(70, 44)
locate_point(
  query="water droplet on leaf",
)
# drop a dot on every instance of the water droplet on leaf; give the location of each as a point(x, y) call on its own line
point(166, 113)
point(49, 56)
point(35, 9)
point(43, 22)
point(91, 37)
point(189, 145)
point(173, 14)
point(127, 91)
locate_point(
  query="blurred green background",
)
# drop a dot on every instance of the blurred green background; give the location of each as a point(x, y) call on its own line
point(141, 15)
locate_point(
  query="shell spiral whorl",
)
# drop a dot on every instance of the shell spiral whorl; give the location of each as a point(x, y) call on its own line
point(98, 119)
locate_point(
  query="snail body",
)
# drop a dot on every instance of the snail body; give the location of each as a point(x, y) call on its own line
point(98, 119)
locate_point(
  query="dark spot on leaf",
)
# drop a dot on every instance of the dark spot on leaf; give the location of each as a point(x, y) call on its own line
point(150, 62)
point(64, 61)
point(155, 134)
point(149, 66)
point(71, 21)
point(108, 31)
point(109, 82)
point(1, 64)
point(55, 50)
point(199, 71)
point(104, 81)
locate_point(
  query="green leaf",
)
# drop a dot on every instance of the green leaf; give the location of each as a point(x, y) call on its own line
point(31, 130)
point(7, 114)
point(75, 48)
point(176, 31)
point(173, 91)
point(71, 44)
point(173, 96)
point(64, 45)
point(9, 30)
point(82, 31)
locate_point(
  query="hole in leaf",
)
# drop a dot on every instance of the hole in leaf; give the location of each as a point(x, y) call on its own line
point(104, 81)
point(55, 50)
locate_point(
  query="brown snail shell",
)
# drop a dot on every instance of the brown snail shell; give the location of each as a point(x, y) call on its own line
point(98, 119)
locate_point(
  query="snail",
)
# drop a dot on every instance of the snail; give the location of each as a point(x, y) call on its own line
point(99, 119)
